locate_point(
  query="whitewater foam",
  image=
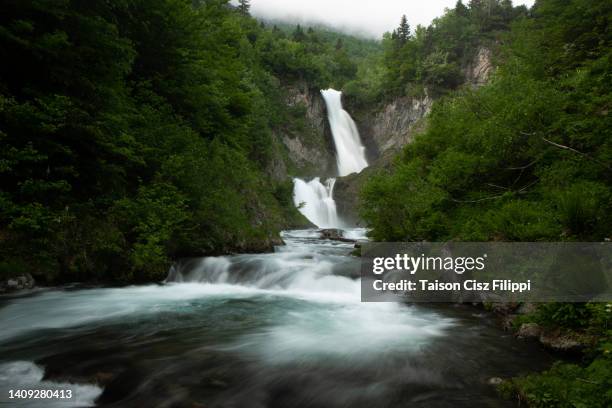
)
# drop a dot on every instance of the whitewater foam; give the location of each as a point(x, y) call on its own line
point(25, 375)
point(350, 153)
point(315, 201)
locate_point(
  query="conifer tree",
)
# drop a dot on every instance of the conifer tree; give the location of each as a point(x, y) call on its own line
point(475, 4)
point(244, 6)
point(461, 9)
point(339, 44)
point(298, 34)
point(403, 32)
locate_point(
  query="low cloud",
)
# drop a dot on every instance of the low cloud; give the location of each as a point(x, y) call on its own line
point(370, 18)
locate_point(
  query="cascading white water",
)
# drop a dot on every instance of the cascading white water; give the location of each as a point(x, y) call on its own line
point(350, 153)
point(316, 201)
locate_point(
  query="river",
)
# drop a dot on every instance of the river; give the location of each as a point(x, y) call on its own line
point(284, 329)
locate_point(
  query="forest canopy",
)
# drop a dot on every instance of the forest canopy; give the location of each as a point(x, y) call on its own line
point(138, 131)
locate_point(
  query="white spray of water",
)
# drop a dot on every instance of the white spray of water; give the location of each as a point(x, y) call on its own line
point(335, 325)
point(350, 153)
point(315, 200)
point(20, 375)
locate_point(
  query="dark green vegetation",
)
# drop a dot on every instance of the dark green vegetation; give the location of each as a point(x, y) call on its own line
point(527, 157)
point(134, 132)
point(585, 383)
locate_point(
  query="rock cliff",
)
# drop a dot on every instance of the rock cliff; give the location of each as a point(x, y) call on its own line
point(479, 70)
point(304, 145)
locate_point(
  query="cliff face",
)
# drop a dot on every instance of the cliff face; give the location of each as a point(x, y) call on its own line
point(391, 127)
point(479, 70)
point(305, 145)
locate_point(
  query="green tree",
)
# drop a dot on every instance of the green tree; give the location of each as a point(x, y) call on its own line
point(403, 31)
point(298, 34)
point(244, 6)
point(461, 9)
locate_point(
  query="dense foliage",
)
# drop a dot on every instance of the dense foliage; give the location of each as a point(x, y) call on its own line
point(528, 157)
point(137, 131)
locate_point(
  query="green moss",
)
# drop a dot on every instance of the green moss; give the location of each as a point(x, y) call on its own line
point(566, 386)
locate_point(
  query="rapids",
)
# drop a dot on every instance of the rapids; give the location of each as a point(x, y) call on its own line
point(284, 329)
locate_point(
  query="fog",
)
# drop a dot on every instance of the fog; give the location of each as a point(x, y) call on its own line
point(370, 18)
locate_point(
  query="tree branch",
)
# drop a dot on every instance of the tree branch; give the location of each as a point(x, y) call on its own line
point(571, 149)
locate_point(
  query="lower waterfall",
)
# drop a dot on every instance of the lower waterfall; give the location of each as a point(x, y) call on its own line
point(315, 200)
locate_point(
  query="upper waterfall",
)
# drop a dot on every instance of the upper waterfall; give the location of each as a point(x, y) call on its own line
point(350, 153)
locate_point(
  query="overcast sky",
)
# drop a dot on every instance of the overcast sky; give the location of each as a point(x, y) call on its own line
point(369, 17)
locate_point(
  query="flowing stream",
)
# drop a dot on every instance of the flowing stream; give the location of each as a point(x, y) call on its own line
point(283, 329)
point(315, 199)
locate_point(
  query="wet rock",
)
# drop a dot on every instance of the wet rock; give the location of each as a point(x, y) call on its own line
point(527, 308)
point(565, 343)
point(503, 308)
point(507, 322)
point(334, 234)
point(529, 330)
point(331, 233)
point(495, 381)
point(24, 281)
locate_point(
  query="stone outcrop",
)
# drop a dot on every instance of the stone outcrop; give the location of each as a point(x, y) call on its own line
point(334, 234)
point(555, 339)
point(302, 94)
point(479, 70)
point(392, 127)
point(529, 331)
point(19, 282)
point(304, 148)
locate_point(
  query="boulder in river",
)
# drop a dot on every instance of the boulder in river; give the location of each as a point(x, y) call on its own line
point(334, 234)
point(495, 381)
point(23, 281)
point(529, 330)
point(569, 343)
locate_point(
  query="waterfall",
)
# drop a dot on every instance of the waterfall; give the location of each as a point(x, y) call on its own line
point(350, 153)
point(315, 200)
